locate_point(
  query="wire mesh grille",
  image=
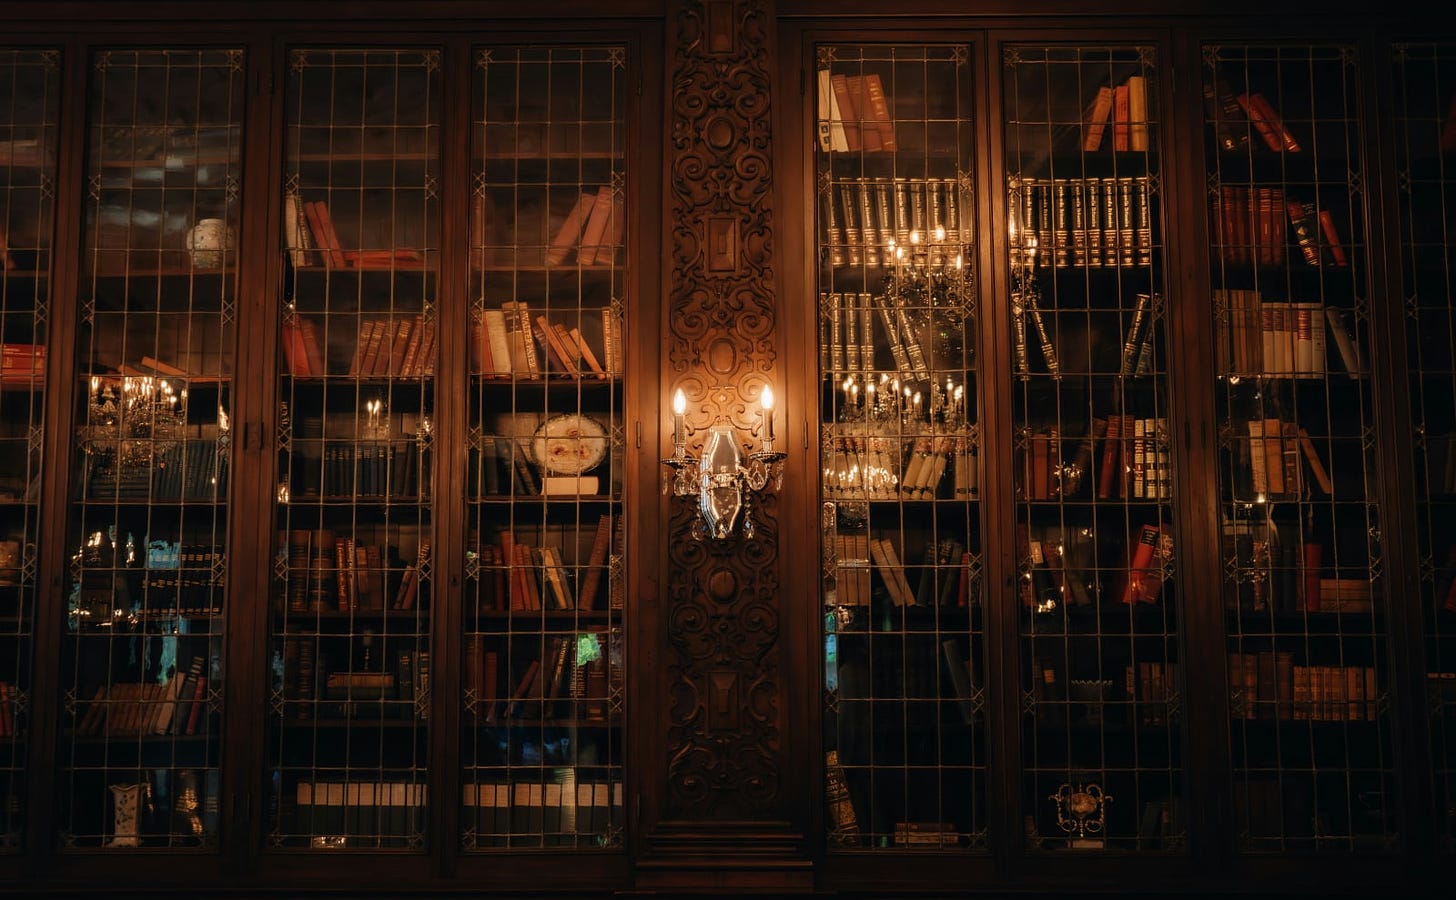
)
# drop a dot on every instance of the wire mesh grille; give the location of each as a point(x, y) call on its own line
point(353, 574)
point(29, 97)
point(1303, 590)
point(904, 649)
point(142, 661)
point(542, 638)
point(1425, 80)
point(1098, 591)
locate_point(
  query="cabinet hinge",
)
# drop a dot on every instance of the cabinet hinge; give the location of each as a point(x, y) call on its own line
point(637, 429)
point(806, 434)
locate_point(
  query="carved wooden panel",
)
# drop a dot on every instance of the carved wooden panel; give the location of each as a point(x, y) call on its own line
point(724, 734)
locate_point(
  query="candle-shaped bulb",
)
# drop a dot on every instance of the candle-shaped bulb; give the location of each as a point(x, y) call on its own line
point(940, 232)
point(679, 406)
point(914, 237)
point(766, 400)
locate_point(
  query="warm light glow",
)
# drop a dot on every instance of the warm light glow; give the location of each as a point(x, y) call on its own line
point(767, 399)
point(679, 402)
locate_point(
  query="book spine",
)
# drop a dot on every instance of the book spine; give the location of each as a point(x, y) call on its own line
point(849, 215)
point(869, 233)
point(1095, 233)
point(1060, 248)
point(833, 231)
point(1144, 221)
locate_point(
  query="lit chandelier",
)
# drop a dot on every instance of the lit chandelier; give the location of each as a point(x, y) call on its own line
point(137, 417)
point(930, 275)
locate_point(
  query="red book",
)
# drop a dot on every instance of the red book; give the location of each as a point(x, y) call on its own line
point(294, 351)
point(1310, 599)
point(1141, 578)
point(1332, 237)
point(1111, 450)
point(869, 131)
point(336, 248)
point(1448, 128)
point(199, 700)
point(314, 211)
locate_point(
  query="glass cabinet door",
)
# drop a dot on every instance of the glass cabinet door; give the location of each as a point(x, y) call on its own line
point(1425, 85)
point(904, 644)
point(1098, 590)
point(1300, 527)
point(29, 94)
point(142, 664)
point(350, 606)
point(542, 635)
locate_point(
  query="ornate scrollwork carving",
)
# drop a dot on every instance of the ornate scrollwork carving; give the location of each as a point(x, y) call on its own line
point(724, 734)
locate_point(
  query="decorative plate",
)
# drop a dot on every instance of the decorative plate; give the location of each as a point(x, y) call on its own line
point(570, 444)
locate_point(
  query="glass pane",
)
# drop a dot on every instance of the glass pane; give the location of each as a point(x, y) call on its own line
point(1425, 84)
point(904, 643)
point(349, 721)
point(29, 82)
point(542, 637)
point(142, 664)
point(1302, 591)
point(1101, 747)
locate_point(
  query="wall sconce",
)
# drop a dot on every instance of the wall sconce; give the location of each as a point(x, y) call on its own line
point(725, 487)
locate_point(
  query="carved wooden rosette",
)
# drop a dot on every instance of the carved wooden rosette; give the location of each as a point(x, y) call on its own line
point(724, 739)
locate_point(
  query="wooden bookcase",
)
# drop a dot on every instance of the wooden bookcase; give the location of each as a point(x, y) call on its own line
point(1114, 539)
point(1299, 509)
point(542, 636)
point(1096, 544)
point(30, 84)
point(142, 658)
point(904, 716)
point(1425, 141)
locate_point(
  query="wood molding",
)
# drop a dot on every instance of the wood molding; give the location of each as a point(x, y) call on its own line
point(724, 664)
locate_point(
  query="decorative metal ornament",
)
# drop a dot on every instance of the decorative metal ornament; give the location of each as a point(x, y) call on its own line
point(1081, 812)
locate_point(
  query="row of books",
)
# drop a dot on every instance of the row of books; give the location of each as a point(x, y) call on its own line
point(311, 238)
point(1278, 574)
point(186, 470)
point(873, 468)
point(319, 681)
point(1234, 113)
point(1134, 461)
point(1084, 221)
point(516, 576)
point(885, 221)
point(501, 345)
point(502, 470)
point(1126, 108)
point(362, 815)
point(393, 346)
point(522, 814)
point(593, 228)
point(20, 363)
point(9, 692)
point(1149, 686)
point(393, 469)
point(569, 678)
point(1253, 225)
point(1268, 685)
point(1281, 339)
point(1061, 567)
point(945, 575)
point(334, 572)
point(142, 709)
point(854, 113)
point(1273, 455)
point(847, 338)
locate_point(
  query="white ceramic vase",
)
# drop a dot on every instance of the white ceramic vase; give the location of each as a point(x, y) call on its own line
point(208, 241)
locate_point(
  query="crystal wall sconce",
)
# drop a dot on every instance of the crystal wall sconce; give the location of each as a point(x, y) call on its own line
point(726, 486)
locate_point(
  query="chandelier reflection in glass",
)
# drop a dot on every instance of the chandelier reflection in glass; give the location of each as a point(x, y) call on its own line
point(726, 486)
point(137, 417)
point(930, 284)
